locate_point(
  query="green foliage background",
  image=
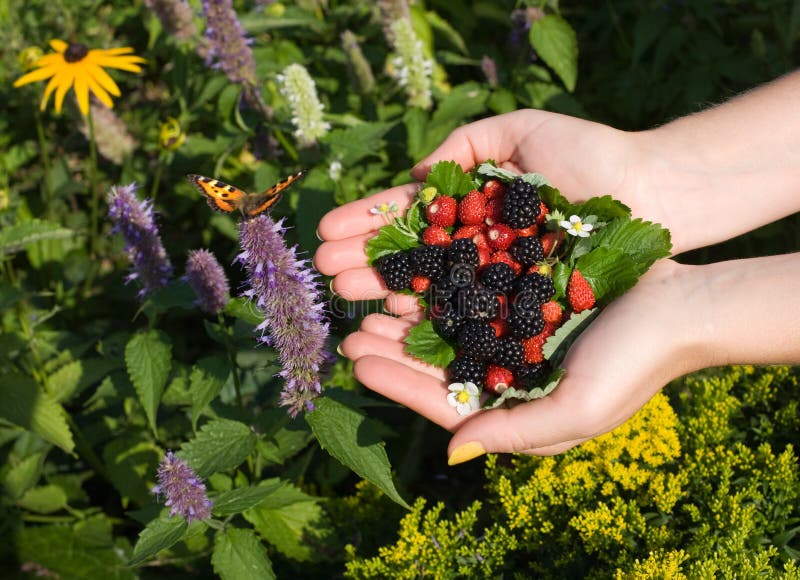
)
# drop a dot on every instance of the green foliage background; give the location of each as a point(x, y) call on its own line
point(80, 442)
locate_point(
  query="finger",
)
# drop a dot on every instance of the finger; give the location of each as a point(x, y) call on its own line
point(355, 217)
point(405, 306)
point(359, 284)
point(492, 138)
point(387, 326)
point(360, 344)
point(416, 390)
point(339, 255)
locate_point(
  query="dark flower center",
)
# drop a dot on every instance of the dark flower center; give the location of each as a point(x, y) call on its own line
point(75, 52)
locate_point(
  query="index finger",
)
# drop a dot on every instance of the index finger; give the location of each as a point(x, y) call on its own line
point(356, 218)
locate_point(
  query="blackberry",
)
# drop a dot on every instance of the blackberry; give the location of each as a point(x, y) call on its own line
point(395, 269)
point(428, 261)
point(462, 255)
point(525, 322)
point(442, 290)
point(499, 277)
point(531, 375)
point(535, 285)
point(477, 340)
point(520, 204)
point(527, 250)
point(467, 370)
point(510, 354)
point(478, 303)
point(447, 322)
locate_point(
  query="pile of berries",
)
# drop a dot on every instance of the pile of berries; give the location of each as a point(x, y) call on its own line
point(484, 265)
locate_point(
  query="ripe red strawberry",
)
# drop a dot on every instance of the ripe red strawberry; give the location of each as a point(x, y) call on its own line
point(527, 232)
point(533, 347)
point(543, 211)
point(500, 236)
point(551, 311)
point(484, 255)
point(420, 283)
point(549, 241)
point(435, 236)
point(500, 327)
point(504, 257)
point(472, 209)
point(498, 379)
point(442, 211)
point(494, 211)
point(493, 189)
point(475, 232)
point(580, 294)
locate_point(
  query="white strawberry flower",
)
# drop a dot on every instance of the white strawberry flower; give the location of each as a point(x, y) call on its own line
point(384, 208)
point(576, 227)
point(464, 397)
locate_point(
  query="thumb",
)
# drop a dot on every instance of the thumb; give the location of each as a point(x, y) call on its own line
point(544, 426)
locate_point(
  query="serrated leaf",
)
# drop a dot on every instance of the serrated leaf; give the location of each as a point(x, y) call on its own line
point(449, 179)
point(423, 343)
point(64, 382)
point(350, 437)
point(561, 274)
point(491, 170)
point(15, 237)
point(219, 445)
point(44, 499)
point(556, 346)
point(148, 358)
point(205, 382)
point(644, 242)
point(241, 499)
point(609, 272)
point(160, 534)
point(605, 207)
point(23, 475)
point(535, 179)
point(352, 144)
point(556, 43)
point(23, 403)
point(245, 310)
point(388, 240)
point(130, 459)
point(286, 519)
point(239, 554)
point(513, 396)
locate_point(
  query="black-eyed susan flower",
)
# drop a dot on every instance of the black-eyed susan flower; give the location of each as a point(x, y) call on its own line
point(76, 64)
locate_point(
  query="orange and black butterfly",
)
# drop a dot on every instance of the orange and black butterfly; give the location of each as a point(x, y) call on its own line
point(227, 198)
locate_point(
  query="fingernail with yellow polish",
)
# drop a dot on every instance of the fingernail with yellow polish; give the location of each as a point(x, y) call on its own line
point(465, 452)
point(339, 349)
point(319, 237)
point(330, 286)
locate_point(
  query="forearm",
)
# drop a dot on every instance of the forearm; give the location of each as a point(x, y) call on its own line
point(726, 170)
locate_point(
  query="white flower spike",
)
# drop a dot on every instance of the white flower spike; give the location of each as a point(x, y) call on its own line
point(575, 227)
point(464, 397)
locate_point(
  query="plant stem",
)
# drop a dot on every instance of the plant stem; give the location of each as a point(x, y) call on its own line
point(237, 381)
point(45, 156)
point(85, 450)
point(157, 178)
point(94, 200)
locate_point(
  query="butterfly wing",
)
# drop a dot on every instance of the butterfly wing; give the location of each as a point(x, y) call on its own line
point(270, 197)
point(219, 195)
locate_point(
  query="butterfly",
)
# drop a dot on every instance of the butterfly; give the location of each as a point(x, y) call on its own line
point(227, 198)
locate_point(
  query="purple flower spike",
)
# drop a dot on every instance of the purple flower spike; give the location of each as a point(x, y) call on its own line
point(185, 493)
point(207, 278)
point(286, 290)
point(134, 220)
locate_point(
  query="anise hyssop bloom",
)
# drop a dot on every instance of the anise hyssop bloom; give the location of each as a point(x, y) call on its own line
point(207, 278)
point(185, 493)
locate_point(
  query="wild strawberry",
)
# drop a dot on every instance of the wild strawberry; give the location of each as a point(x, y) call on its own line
point(549, 241)
point(484, 255)
point(502, 309)
point(500, 327)
point(551, 310)
point(543, 211)
point(580, 294)
point(527, 232)
point(500, 236)
point(436, 236)
point(533, 347)
point(420, 283)
point(472, 209)
point(542, 268)
point(494, 211)
point(504, 257)
point(498, 379)
point(493, 189)
point(473, 232)
point(442, 211)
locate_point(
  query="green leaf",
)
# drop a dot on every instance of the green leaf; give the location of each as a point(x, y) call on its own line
point(425, 344)
point(160, 534)
point(555, 347)
point(15, 237)
point(443, 27)
point(351, 145)
point(242, 499)
point(561, 274)
point(220, 445)
point(245, 310)
point(609, 272)
point(23, 476)
point(287, 519)
point(239, 554)
point(64, 382)
point(644, 242)
point(148, 358)
point(556, 43)
point(388, 240)
point(605, 207)
point(206, 381)
point(536, 179)
point(130, 459)
point(23, 403)
point(449, 179)
point(512, 396)
point(45, 499)
point(349, 437)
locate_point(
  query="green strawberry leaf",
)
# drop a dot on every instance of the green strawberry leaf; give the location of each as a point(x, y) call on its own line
point(555, 347)
point(561, 274)
point(536, 179)
point(605, 208)
point(644, 242)
point(513, 396)
point(449, 179)
point(553, 199)
point(609, 271)
point(423, 343)
point(389, 239)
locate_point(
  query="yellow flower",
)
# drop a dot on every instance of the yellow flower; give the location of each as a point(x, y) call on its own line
point(75, 64)
point(170, 134)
